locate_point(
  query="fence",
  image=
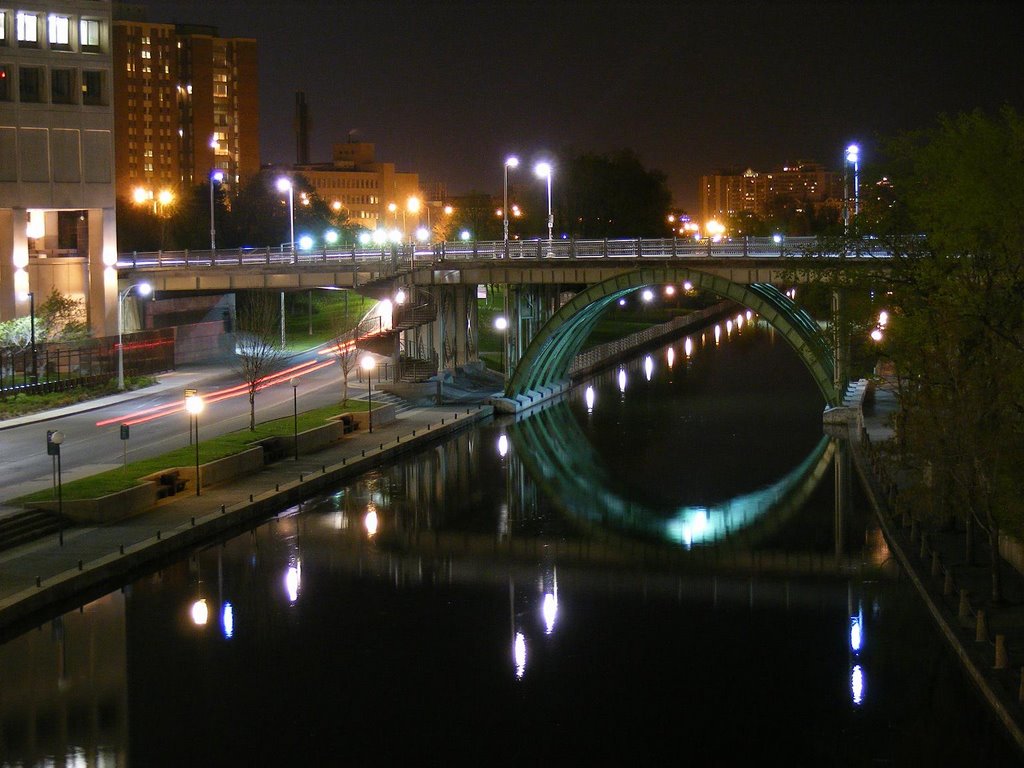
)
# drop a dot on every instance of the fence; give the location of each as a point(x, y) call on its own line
point(54, 367)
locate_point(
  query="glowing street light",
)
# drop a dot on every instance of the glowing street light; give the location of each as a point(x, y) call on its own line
point(501, 325)
point(215, 177)
point(852, 158)
point(284, 184)
point(368, 364)
point(543, 170)
point(144, 290)
point(510, 162)
point(194, 405)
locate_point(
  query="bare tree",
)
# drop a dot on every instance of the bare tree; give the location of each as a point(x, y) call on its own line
point(343, 345)
point(258, 347)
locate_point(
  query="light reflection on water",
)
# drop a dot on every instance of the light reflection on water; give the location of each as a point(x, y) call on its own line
point(451, 592)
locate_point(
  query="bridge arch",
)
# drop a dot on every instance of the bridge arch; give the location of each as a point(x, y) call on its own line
point(548, 357)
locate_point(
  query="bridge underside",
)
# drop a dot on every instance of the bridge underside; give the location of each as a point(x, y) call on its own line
point(545, 363)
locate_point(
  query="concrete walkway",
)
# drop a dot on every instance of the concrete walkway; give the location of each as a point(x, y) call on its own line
point(987, 636)
point(45, 574)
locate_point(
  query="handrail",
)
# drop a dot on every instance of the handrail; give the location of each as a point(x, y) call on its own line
point(407, 255)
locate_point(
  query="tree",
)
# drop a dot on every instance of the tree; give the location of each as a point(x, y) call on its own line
point(258, 351)
point(956, 337)
point(61, 318)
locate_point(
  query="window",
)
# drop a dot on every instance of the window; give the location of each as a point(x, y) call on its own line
point(58, 31)
point(27, 29)
point(89, 34)
point(3, 27)
point(5, 82)
point(93, 88)
point(62, 86)
point(30, 82)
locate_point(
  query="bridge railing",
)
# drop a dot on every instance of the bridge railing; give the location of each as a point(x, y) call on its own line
point(405, 254)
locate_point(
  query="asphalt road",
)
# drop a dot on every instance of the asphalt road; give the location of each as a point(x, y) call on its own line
point(158, 422)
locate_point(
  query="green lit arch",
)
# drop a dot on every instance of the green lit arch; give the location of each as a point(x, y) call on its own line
point(547, 359)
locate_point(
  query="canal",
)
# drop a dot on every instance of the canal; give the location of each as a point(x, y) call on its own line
point(672, 565)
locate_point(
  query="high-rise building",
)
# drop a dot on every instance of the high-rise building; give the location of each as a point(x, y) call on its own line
point(806, 184)
point(185, 105)
point(57, 202)
point(372, 194)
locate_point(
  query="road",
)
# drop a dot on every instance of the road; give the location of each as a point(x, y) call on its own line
point(158, 422)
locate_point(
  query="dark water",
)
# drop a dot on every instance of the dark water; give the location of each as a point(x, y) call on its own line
point(515, 605)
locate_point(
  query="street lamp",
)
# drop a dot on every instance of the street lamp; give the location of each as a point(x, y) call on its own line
point(56, 438)
point(215, 177)
point(543, 170)
point(510, 162)
point(194, 405)
point(368, 364)
point(144, 290)
point(284, 184)
point(852, 158)
point(295, 414)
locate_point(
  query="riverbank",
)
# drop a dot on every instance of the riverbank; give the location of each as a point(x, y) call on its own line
point(45, 575)
point(987, 637)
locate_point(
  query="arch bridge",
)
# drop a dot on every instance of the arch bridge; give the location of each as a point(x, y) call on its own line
point(555, 293)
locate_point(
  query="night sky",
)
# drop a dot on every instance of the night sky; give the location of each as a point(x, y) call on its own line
point(448, 89)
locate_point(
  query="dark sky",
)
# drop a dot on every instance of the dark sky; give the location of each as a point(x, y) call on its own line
point(448, 89)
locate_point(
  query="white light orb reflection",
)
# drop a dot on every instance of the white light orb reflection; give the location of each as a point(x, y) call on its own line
point(200, 612)
point(622, 380)
point(670, 356)
point(688, 346)
point(590, 396)
point(648, 367)
point(519, 654)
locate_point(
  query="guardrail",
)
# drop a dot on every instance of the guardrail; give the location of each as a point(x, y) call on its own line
point(407, 254)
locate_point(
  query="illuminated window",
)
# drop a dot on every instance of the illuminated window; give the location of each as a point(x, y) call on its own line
point(27, 28)
point(89, 34)
point(3, 27)
point(58, 29)
point(5, 82)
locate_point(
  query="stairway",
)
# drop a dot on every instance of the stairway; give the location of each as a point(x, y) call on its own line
point(24, 527)
point(387, 398)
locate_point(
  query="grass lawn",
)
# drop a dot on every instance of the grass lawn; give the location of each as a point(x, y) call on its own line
point(23, 404)
point(214, 448)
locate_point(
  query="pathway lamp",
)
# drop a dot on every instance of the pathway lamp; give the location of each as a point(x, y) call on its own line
point(464, 235)
point(852, 158)
point(144, 290)
point(305, 242)
point(510, 162)
point(295, 414)
point(543, 170)
point(56, 439)
point(368, 364)
point(215, 178)
point(423, 234)
point(194, 405)
point(331, 236)
point(501, 325)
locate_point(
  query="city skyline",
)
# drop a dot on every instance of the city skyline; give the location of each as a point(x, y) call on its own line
point(449, 89)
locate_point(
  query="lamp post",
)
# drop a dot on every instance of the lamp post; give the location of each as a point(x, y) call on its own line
point(215, 178)
point(510, 162)
point(852, 158)
point(144, 290)
point(56, 438)
point(284, 184)
point(295, 414)
point(501, 325)
point(543, 170)
point(368, 364)
point(194, 405)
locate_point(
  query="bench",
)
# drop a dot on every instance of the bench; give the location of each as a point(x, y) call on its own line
point(170, 483)
point(348, 423)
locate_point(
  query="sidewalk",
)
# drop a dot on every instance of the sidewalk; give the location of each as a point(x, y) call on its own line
point(987, 637)
point(44, 574)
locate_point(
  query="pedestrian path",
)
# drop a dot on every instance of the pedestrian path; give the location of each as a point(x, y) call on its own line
point(37, 576)
point(986, 634)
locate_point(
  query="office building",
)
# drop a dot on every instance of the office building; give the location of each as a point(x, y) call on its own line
point(57, 200)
